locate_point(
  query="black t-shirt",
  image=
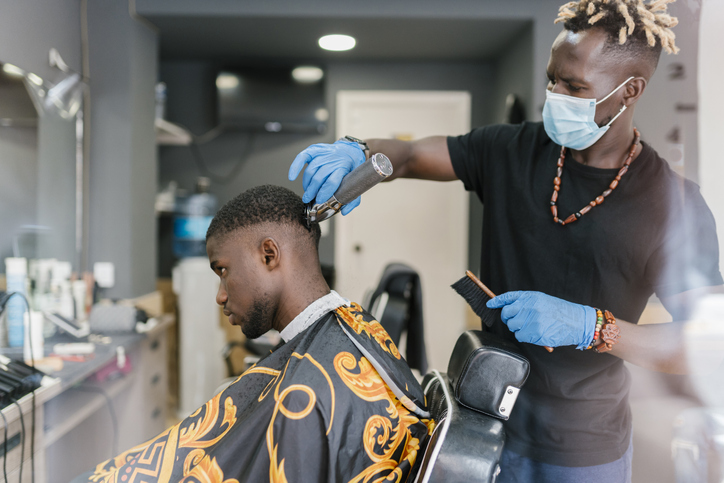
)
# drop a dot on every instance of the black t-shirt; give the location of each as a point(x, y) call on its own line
point(653, 234)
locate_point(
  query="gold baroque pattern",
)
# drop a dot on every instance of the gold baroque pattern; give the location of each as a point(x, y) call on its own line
point(386, 439)
point(156, 458)
point(354, 317)
point(276, 467)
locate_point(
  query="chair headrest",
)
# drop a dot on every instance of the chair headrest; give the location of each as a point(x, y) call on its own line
point(486, 373)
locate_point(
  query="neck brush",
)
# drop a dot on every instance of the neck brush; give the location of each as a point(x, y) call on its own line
point(476, 294)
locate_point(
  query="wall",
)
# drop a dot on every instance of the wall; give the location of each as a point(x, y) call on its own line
point(122, 164)
point(18, 184)
point(711, 102)
point(123, 64)
point(670, 102)
point(44, 25)
point(513, 70)
point(513, 75)
point(28, 30)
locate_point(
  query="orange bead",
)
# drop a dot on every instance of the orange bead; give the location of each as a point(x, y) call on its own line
point(613, 184)
point(570, 219)
point(554, 210)
point(557, 181)
point(585, 209)
point(599, 200)
point(554, 198)
point(607, 192)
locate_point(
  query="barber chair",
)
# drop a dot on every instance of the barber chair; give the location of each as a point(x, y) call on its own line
point(469, 405)
point(396, 304)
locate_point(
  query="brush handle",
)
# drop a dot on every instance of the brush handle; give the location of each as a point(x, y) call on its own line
point(490, 293)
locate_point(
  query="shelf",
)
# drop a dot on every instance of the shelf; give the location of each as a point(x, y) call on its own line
point(49, 387)
point(74, 406)
point(170, 134)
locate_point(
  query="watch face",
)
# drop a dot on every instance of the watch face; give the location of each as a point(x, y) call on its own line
point(356, 140)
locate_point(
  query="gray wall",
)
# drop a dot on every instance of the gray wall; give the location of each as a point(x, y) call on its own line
point(123, 162)
point(190, 87)
point(513, 70)
point(513, 74)
point(123, 60)
point(656, 113)
point(28, 30)
point(56, 187)
point(18, 184)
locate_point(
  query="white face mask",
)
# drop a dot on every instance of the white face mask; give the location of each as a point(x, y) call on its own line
point(569, 121)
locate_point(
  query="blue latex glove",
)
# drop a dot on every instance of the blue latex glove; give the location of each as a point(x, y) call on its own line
point(327, 165)
point(537, 318)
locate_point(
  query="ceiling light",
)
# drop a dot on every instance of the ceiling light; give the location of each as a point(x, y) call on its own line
point(227, 81)
point(307, 74)
point(337, 43)
point(321, 115)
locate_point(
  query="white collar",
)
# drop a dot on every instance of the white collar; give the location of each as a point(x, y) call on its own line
point(313, 313)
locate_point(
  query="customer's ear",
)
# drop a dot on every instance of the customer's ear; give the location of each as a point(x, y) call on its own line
point(270, 253)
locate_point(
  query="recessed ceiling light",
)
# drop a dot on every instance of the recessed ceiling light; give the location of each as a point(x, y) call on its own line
point(227, 81)
point(307, 74)
point(337, 43)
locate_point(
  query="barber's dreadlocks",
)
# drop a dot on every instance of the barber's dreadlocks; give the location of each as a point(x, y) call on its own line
point(634, 23)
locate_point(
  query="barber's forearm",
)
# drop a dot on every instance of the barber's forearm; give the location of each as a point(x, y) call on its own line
point(658, 347)
point(427, 158)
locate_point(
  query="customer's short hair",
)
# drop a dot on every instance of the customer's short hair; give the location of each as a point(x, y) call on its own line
point(263, 204)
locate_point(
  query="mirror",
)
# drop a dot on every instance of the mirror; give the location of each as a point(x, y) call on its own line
point(41, 161)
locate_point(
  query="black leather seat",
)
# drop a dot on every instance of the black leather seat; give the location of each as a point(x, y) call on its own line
point(467, 442)
point(397, 304)
point(466, 445)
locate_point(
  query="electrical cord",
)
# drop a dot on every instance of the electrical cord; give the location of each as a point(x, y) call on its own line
point(5, 447)
point(111, 411)
point(22, 439)
point(202, 166)
point(3, 303)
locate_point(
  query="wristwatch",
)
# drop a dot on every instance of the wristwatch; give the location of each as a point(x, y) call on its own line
point(362, 144)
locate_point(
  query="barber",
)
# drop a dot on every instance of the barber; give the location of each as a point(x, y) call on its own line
point(582, 223)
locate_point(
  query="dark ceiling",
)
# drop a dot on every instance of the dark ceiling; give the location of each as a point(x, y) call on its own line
point(276, 40)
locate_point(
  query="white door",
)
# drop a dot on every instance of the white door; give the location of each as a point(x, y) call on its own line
point(423, 224)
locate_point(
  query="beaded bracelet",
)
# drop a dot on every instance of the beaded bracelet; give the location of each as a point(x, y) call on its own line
point(610, 334)
point(597, 332)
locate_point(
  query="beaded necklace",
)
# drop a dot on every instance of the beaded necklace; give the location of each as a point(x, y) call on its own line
point(599, 199)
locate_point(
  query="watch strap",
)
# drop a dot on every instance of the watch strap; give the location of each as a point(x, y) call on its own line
point(361, 142)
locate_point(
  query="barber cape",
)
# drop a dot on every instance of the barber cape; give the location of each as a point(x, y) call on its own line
point(335, 403)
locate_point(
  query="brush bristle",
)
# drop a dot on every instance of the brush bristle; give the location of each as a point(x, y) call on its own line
point(477, 299)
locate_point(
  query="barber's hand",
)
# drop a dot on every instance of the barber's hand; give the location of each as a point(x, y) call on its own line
point(540, 319)
point(327, 165)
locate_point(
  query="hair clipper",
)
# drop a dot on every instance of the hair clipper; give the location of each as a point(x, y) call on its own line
point(359, 180)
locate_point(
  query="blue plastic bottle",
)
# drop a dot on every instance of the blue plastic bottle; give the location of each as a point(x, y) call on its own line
point(193, 217)
point(16, 273)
